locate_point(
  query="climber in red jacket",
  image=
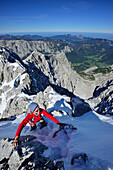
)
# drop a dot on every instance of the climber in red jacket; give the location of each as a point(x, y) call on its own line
point(34, 115)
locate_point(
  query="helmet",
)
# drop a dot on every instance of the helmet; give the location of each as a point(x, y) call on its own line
point(32, 106)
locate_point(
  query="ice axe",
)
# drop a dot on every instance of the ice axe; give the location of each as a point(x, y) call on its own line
point(62, 128)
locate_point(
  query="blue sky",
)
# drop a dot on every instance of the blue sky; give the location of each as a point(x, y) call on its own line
point(56, 15)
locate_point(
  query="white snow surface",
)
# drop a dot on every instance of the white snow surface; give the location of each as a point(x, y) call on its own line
point(94, 135)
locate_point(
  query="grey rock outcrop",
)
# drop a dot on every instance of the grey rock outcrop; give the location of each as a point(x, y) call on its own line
point(24, 48)
point(80, 109)
point(79, 106)
point(12, 101)
point(27, 156)
point(58, 69)
point(103, 98)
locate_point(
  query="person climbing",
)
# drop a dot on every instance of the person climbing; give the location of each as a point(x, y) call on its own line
point(34, 115)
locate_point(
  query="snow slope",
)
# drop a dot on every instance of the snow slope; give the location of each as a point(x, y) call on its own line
point(93, 137)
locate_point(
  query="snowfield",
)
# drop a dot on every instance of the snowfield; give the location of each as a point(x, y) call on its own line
point(94, 136)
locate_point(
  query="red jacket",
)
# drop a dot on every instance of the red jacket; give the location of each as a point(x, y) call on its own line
point(35, 119)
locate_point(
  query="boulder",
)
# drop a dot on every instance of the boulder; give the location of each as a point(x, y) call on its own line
point(79, 159)
point(103, 98)
point(79, 106)
point(85, 161)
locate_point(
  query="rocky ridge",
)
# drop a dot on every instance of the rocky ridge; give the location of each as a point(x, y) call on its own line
point(33, 78)
point(25, 48)
point(27, 156)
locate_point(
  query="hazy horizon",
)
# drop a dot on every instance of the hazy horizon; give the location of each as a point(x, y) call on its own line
point(48, 34)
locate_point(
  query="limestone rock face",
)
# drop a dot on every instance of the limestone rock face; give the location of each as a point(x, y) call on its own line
point(12, 82)
point(103, 98)
point(57, 69)
point(24, 48)
point(51, 60)
point(23, 81)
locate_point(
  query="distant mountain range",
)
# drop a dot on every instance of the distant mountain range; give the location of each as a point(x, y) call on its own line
point(67, 37)
point(20, 37)
point(86, 52)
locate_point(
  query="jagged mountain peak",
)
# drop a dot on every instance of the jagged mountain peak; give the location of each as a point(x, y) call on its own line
point(74, 36)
